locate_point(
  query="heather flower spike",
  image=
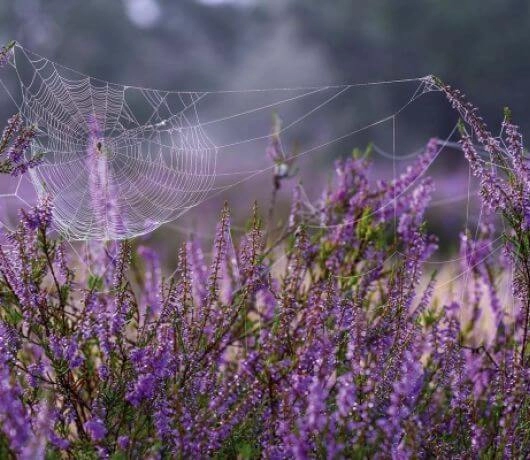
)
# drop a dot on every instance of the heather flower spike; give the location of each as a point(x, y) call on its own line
point(15, 146)
point(5, 52)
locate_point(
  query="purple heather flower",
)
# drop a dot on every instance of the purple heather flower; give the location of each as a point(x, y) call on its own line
point(346, 395)
point(316, 409)
point(95, 429)
point(66, 349)
point(15, 143)
point(40, 216)
point(143, 389)
point(470, 115)
point(5, 53)
point(62, 263)
point(14, 416)
point(21, 144)
point(35, 372)
point(198, 271)
point(59, 442)
point(103, 372)
point(103, 192)
point(14, 124)
point(123, 442)
point(152, 281)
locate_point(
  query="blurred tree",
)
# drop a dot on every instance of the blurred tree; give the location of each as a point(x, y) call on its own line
point(479, 46)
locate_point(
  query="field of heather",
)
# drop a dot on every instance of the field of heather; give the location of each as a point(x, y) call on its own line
point(282, 271)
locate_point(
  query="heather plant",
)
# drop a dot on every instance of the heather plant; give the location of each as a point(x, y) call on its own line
point(329, 342)
point(16, 139)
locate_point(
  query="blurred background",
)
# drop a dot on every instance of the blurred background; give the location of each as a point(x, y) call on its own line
point(480, 47)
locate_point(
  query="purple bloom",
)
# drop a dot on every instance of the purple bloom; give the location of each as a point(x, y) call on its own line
point(5, 53)
point(59, 442)
point(14, 416)
point(123, 442)
point(21, 144)
point(152, 282)
point(144, 389)
point(103, 193)
point(40, 216)
point(95, 429)
point(14, 124)
point(15, 143)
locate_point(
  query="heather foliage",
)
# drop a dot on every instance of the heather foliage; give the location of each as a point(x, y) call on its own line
point(15, 156)
point(14, 144)
point(325, 343)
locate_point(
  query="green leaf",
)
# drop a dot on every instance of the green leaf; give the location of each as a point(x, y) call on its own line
point(245, 451)
point(95, 283)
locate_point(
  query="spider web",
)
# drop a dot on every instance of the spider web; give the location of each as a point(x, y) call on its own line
point(112, 172)
point(120, 160)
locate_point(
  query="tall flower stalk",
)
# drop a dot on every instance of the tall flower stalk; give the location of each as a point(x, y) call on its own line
point(104, 199)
